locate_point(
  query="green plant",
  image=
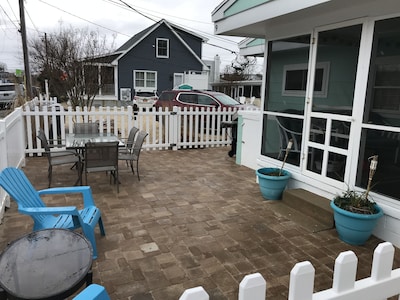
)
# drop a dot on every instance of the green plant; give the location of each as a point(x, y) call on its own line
point(357, 202)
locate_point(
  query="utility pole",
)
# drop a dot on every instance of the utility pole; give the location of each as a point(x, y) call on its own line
point(28, 82)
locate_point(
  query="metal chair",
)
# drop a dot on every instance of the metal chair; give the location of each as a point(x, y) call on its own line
point(135, 153)
point(82, 128)
point(100, 157)
point(59, 157)
point(130, 140)
point(18, 186)
point(287, 132)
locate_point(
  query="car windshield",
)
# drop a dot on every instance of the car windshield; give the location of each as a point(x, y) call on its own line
point(225, 99)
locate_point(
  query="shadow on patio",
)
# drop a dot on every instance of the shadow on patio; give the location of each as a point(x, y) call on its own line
point(195, 218)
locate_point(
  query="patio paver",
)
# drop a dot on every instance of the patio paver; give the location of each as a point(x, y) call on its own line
point(195, 218)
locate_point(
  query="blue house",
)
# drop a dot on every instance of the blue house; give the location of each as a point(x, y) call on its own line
point(332, 80)
point(155, 59)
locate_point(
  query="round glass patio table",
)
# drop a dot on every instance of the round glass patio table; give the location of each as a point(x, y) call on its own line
point(45, 264)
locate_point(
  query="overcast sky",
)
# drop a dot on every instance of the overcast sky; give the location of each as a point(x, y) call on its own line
point(110, 17)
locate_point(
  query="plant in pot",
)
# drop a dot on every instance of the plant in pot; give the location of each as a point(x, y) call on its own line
point(273, 181)
point(355, 214)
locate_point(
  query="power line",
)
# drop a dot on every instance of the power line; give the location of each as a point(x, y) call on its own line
point(127, 6)
point(83, 19)
point(156, 12)
point(12, 22)
point(233, 52)
point(34, 26)
point(146, 16)
point(135, 10)
point(16, 18)
point(188, 27)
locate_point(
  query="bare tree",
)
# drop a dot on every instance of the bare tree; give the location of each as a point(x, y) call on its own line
point(72, 61)
point(3, 67)
point(241, 68)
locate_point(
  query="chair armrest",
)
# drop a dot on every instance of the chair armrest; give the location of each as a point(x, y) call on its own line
point(61, 210)
point(86, 192)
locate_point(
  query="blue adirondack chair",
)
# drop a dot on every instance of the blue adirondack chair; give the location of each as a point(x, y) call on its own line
point(93, 292)
point(18, 186)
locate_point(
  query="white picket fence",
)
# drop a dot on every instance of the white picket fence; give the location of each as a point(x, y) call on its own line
point(382, 284)
point(167, 129)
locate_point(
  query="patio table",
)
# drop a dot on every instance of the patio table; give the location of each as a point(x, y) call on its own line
point(45, 264)
point(78, 141)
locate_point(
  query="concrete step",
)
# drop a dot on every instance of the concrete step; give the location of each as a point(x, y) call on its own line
point(309, 209)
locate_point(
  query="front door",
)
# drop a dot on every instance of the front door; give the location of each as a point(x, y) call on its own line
point(329, 108)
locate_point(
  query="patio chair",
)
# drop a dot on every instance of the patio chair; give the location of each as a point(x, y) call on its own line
point(289, 129)
point(18, 186)
point(82, 128)
point(100, 157)
point(59, 157)
point(93, 292)
point(129, 142)
point(135, 153)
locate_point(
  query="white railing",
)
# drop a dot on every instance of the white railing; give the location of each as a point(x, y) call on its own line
point(12, 148)
point(383, 282)
point(167, 129)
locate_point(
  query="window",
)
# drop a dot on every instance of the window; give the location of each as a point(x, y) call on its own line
point(145, 79)
point(162, 48)
point(205, 100)
point(188, 98)
point(295, 80)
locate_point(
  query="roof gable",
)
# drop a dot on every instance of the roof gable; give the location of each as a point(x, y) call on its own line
point(176, 30)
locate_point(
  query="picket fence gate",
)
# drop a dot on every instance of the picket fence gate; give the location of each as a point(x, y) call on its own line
point(382, 284)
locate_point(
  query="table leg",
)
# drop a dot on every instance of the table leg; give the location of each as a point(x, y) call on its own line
point(79, 168)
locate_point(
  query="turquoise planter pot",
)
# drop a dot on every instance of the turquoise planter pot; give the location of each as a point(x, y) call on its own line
point(353, 228)
point(272, 187)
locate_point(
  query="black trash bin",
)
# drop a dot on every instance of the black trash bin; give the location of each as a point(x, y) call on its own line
point(234, 125)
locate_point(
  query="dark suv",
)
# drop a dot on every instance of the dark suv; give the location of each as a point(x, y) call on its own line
point(195, 98)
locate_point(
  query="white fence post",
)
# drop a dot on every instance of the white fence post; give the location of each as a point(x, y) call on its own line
point(253, 287)
point(382, 262)
point(197, 293)
point(345, 271)
point(174, 128)
point(301, 284)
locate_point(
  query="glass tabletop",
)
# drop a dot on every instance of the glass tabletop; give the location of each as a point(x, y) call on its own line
point(45, 264)
point(74, 141)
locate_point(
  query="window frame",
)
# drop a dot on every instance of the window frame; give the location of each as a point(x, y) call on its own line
point(160, 47)
point(145, 79)
point(323, 93)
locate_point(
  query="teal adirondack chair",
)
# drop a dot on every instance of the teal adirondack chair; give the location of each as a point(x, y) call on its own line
point(18, 186)
point(93, 292)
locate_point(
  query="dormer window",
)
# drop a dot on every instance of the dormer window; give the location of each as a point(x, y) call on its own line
point(162, 48)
